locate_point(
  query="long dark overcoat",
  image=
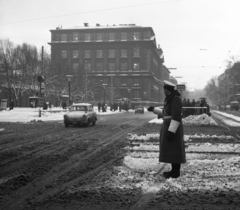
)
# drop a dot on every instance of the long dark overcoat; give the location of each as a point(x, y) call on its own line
point(172, 151)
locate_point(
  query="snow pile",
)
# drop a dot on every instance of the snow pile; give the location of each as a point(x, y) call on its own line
point(155, 137)
point(131, 136)
point(204, 136)
point(202, 119)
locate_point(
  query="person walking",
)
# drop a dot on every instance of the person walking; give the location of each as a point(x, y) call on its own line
point(11, 105)
point(171, 143)
point(99, 106)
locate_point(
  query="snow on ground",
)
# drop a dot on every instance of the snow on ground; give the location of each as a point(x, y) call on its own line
point(228, 115)
point(32, 114)
point(229, 121)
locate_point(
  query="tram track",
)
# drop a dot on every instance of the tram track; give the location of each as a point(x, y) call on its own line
point(231, 130)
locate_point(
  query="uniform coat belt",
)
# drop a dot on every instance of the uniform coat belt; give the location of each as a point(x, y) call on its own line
point(167, 117)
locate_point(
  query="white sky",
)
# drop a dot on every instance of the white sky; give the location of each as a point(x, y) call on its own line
point(197, 36)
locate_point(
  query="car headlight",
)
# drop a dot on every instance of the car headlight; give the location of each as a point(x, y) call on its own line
point(84, 116)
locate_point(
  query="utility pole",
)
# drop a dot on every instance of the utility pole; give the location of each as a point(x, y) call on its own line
point(111, 88)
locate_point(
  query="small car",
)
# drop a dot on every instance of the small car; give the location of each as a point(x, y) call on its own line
point(139, 109)
point(234, 105)
point(80, 114)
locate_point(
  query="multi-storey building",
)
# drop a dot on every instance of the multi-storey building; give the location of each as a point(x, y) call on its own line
point(123, 57)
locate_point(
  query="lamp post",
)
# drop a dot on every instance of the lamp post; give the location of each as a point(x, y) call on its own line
point(104, 92)
point(69, 81)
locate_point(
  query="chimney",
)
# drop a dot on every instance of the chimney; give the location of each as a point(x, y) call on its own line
point(86, 24)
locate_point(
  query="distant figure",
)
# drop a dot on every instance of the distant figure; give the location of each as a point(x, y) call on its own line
point(99, 106)
point(103, 107)
point(11, 105)
point(120, 107)
point(193, 104)
point(64, 105)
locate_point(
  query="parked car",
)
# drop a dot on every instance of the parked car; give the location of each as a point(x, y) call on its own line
point(234, 105)
point(139, 109)
point(80, 114)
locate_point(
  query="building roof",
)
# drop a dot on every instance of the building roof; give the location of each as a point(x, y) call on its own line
point(120, 26)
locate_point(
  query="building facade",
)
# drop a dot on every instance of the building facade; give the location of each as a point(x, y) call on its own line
point(123, 58)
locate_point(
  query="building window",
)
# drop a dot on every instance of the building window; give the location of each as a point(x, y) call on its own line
point(146, 35)
point(136, 81)
point(111, 36)
point(75, 36)
point(63, 37)
point(136, 52)
point(87, 37)
point(99, 36)
point(136, 66)
point(75, 53)
point(99, 67)
point(124, 53)
point(99, 54)
point(123, 36)
point(136, 93)
point(57, 37)
point(124, 66)
point(111, 66)
point(87, 66)
point(87, 54)
point(64, 54)
point(111, 54)
point(136, 36)
point(117, 81)
point(75, 68)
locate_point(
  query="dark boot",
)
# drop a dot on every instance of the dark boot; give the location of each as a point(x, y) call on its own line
point(175, 173)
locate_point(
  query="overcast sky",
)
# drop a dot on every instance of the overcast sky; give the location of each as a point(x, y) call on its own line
point(196, 36)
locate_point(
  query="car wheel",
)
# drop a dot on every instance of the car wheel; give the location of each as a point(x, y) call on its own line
point(94, 121)
point(66, 125)
point(88, 122)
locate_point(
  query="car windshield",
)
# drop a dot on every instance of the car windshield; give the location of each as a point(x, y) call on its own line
point(79, 108)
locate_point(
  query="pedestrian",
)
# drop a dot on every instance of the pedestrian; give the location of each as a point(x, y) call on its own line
point(193, 104)
point(99, 106)
point(11, 105)
point(171, 143)
point(120, 107)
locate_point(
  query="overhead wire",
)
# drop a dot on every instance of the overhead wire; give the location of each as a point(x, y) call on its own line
point(92, 11)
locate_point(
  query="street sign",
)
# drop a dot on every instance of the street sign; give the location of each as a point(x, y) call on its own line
point(181, 87)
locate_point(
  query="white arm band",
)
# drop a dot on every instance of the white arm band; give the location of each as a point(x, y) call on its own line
point(173, 126)
point(157, 111)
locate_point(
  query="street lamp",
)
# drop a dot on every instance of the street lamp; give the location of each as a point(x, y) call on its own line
point(104, 92)
point(69, 80)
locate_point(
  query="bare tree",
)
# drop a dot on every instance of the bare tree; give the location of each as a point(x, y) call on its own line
point(12, 76)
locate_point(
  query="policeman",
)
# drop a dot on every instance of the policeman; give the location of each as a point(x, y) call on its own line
point(172, 148)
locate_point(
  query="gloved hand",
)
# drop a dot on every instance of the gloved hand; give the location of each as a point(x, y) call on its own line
point(150, 109)
point(170, 136)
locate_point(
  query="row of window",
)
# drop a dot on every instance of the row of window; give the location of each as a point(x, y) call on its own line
point(111, 67)
point(117, 81)
point(112, 36)
point(99, 53)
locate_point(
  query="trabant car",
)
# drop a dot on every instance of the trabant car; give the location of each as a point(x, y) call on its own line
point(139, 109)
point(80, 114)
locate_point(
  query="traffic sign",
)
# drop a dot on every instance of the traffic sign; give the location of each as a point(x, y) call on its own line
point(181, 87)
